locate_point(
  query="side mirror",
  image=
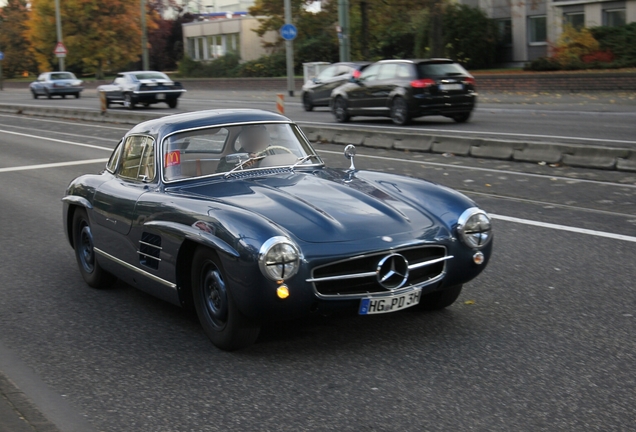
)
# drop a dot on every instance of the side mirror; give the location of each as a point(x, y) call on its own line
point(350, 153)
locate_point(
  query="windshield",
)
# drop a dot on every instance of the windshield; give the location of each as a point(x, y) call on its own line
point(222, 150)
point(441, 69)
point(62, 76)
point(151, 76)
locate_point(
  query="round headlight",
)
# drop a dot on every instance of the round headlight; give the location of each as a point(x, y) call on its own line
point(474, 228)
point(279, 258)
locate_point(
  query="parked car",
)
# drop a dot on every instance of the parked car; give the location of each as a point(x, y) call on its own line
point(51, 84)
point(142, 87)
point(406, 89)
point(234, 214)
point(317, 91)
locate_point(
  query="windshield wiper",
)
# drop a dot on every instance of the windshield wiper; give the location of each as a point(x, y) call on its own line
point(304, 159)
point(241, 163)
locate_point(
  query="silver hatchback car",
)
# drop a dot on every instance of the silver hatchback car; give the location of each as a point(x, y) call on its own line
point(51, 84)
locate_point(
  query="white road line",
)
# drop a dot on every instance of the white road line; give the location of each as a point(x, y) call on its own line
point(565, 228)
point(473, 168)
point(108, 149)
point(53, 165)
point(84, 136)
point(74, 123)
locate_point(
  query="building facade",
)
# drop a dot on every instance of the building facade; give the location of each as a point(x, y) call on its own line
point(527, 28)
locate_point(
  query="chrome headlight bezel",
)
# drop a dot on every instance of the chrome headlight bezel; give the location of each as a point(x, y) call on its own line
point(279, 258)
point(474, 228)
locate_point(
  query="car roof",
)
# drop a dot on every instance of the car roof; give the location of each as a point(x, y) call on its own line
point(163, 126)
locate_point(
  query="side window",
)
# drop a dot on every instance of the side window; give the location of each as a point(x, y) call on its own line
point(119, 80)
point(137, 160)
point(111, 166)
point(387, 71)
point(327, 73)
point(370, 73)
point(404, 71)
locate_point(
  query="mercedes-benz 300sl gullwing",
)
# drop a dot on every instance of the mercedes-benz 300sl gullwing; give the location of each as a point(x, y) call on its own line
point(232, 213)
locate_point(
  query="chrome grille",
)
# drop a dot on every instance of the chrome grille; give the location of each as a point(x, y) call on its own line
point(149, 250)
point(358, 276)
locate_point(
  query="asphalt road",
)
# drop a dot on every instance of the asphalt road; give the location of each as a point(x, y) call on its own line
point(599, 118)
point(543, 340)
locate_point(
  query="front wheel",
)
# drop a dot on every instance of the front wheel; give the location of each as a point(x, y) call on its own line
point(35, 95)
point(440, 299)
point(172, 103)
point(47, 93)
point(222, 321)
point(340, 110)
point(400, 112)
point(89, 267)
point(77, 95)
point(307, 104)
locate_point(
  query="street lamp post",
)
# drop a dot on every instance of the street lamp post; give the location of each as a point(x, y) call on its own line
point(144, 37)
point(58, 26)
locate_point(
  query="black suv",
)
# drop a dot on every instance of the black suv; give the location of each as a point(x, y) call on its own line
point(405, 89)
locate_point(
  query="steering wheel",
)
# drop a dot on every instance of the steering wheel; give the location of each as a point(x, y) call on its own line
point(275, 147)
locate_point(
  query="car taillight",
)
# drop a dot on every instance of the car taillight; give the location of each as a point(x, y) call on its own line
point(356, 74)
point(469, 80)
point(422, 83)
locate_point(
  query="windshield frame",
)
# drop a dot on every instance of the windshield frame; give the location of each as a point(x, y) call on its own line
point(295, 129)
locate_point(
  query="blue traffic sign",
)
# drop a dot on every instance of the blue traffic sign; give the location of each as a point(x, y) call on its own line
point(288, 32)
point(1, 55)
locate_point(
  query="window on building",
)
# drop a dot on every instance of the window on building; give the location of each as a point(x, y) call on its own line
point(537, 26)
point(504, 29)
point(614, 17)
point(575, 19)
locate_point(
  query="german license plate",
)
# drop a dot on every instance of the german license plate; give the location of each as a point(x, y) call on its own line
point(161, 96)
point(378, 305)
point(451, 86)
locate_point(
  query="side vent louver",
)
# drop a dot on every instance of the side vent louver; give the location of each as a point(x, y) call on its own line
point(149, 250)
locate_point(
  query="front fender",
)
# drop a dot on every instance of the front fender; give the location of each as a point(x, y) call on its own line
point(196, 235)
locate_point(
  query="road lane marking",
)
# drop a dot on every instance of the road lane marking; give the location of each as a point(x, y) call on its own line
point(53, 165)
point(564, 228)
point(108, 149)
point(74, 123)
point(468, 167)
point(84, 136)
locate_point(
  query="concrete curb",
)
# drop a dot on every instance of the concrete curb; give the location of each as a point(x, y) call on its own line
point(25, 415)
point(595, 157)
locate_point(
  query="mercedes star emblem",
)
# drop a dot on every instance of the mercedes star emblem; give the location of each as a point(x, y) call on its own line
point(393, 271)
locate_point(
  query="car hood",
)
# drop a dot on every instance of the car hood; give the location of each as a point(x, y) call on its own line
point(322, 206)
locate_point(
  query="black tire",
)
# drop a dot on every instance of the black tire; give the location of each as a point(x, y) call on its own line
point(340, 110)
point(63, 96)
point(222, 321)
point(307, 104)
point(77, 95)
point(129, 103)
point(35, 95)
point(87, 261)
point(462, 118)
point(440, 299)
point(400, 112)
point(48, 95)
point(172, 103)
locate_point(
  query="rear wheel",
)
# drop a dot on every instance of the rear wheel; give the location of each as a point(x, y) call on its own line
point(400, 111)
point(89, 267)
point(47, 93)
point(35, 95)
point(128, 102)
point(462, 118)
point(307, 104)
point(172, 103)
point(63, 96)
point(340, 110)
point(222, 321)
point(77, 95)
point(440, 299)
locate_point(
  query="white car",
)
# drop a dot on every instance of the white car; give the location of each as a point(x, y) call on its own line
point(51, 84)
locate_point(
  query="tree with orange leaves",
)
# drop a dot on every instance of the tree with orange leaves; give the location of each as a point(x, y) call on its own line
point(98, 35)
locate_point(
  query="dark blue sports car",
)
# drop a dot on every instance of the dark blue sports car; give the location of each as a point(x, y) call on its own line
point(234, 214)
